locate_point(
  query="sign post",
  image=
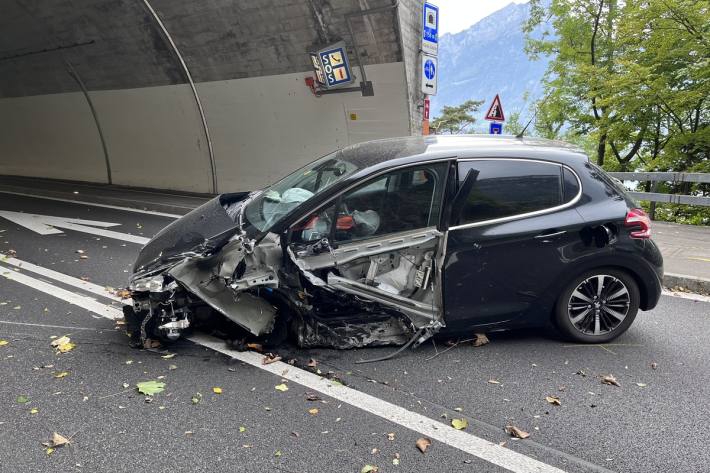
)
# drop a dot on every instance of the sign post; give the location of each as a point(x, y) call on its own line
point(430, 50)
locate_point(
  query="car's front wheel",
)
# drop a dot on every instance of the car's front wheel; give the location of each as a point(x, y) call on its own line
point(597, 306)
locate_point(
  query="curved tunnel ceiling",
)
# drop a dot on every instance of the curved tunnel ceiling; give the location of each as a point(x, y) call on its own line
point(115, 44)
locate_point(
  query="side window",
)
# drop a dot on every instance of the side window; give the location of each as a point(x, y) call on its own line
point(505, 188)
point(571, 185)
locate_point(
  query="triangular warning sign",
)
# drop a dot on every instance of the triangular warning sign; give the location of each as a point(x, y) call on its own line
point(495, 113)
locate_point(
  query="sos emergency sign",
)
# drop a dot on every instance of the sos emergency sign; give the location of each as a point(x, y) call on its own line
point(331, 66)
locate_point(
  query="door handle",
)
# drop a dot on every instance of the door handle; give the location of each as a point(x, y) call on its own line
point(547, 236)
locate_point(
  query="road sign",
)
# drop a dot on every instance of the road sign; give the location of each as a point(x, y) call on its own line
point(430, 29)
point(48, 225)
point(495, 113)
point(331, 66)
point(495, 128)
point(430, 74)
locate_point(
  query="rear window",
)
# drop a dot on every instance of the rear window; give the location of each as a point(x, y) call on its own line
point(505, 188)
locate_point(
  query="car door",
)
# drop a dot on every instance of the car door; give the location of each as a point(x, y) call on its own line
point(379, 241)
point(513, 230)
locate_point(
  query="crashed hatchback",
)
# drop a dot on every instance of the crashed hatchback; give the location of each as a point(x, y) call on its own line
point(392, 241)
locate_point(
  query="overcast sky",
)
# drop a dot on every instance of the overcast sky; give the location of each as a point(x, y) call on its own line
point(457, 15)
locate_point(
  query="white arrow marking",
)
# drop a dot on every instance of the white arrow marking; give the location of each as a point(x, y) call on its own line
point(47, 225)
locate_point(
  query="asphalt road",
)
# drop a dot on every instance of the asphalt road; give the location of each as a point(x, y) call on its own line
point(657, 420)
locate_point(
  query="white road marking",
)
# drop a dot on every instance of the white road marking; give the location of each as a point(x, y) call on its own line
point(93, 204)
point(466, 442)
point(53, 326)
point(481, 448)
point(63, 278)
point(687, 295)
point(45, 225)
point(87, 303)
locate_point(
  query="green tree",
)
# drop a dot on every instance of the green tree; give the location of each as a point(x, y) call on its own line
point(456, 119)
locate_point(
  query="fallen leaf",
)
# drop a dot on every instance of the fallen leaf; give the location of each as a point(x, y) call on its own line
point(255, 346)
point(129, 362)
point(458, 409)
point(312, 363)
point(62, 374)
point(423, 443)
point(641, 385)
point(49, 450)
point(513, 431)
point(34, 410)
point(3, 343)
point(172, 367)
point(480, 340)
point(63, 344)
point(281, 387)
point(22, 399)
point(217, 390)
point(312, 397)
point(57, 440)
point(374, 451)
point(554, 400)
point(277, 453)
point(459, 424)
point(196, 398)
point(150, 388)
point(493, 381)
point(168, 356)
point(270, 358)
point(369, 469)
point(242, 428)
point(611, 380)
point(390, 436)
point(313, 411)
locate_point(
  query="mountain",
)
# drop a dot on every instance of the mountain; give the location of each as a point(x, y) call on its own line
point(487, 59)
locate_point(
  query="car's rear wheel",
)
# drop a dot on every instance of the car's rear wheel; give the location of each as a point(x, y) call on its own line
point(597, 306)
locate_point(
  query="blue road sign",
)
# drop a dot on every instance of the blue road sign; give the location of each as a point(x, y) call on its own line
point(495, 128)
point(430, 29)
point(335, 66)
point(429, 69)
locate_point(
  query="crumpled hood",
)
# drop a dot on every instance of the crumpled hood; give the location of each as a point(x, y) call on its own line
point(204, 228)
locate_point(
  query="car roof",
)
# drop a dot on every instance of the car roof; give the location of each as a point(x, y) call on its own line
point(412, 149)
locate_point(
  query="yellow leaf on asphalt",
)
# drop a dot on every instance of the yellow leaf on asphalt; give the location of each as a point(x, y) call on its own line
point(281, 387)
point(168, 356)
point(313, 411)
point(3, 343)
point(63, 344)
point(459, 424)
point(49, 450)
point(62, 374)
point(554, 400)
point(423, 443)
point(217, 390)
point(34, 410)
point(513, 431)
point(610, 379)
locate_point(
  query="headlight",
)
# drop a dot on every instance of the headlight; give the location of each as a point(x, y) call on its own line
point(153, 284)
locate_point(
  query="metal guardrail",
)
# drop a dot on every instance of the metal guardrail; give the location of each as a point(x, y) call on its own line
point(674, 177)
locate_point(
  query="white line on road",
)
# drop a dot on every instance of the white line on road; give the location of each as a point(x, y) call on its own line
point(61, 277)
point(52, 326)
point(687, 295)
point(45, 225)
point(481, 448)
point(94, 204)
point(82, 301)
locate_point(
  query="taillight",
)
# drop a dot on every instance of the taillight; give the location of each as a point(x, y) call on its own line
point(638, 219)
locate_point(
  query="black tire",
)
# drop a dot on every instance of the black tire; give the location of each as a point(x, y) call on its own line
point(586, 314)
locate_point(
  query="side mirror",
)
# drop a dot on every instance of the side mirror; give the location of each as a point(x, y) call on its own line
point(462, 194)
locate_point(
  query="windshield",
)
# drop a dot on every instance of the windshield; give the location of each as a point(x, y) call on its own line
point(279, 199)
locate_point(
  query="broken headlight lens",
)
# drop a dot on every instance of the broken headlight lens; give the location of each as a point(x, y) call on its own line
point(153, 284)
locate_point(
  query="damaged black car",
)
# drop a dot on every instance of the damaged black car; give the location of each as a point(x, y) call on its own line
point(390, 242)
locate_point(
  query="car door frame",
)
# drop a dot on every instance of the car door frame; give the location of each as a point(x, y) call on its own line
point(410, 238)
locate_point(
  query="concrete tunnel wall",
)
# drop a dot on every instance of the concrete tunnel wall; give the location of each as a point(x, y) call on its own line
point(261, 126)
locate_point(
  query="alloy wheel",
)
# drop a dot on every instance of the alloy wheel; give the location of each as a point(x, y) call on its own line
point(599, 304)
